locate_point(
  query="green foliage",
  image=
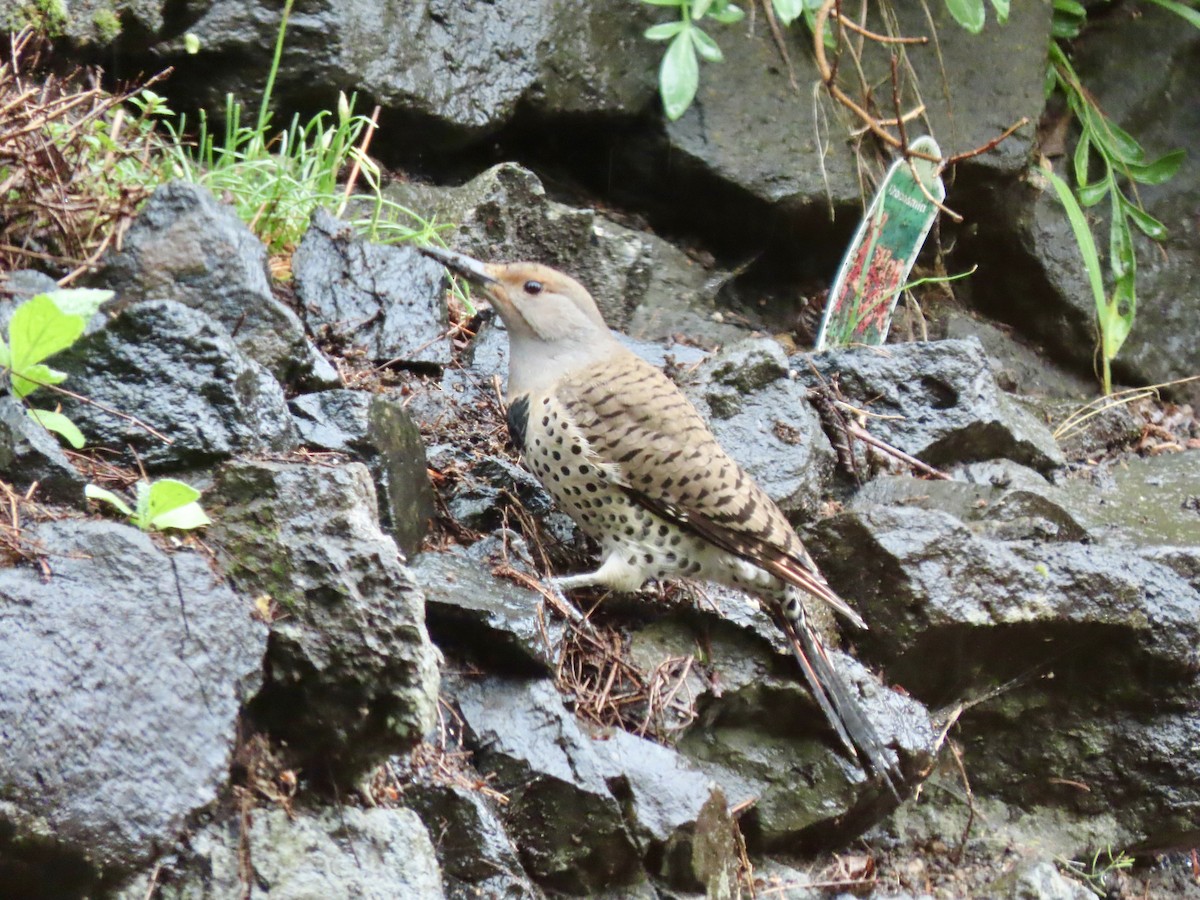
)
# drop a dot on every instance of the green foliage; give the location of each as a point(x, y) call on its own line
point(276, 180)
point(1095, 875)
point(106, 25)
point(1122, 162)
point(972, 14)
point(159, 505)
point(679, 72)
point(39, 328)
point(48, 17)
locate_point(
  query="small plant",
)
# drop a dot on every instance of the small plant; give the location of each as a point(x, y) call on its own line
point(1122, 162)
point(39, 328)
point(276, 180)
point(159, 505)
point(972, 14)
point(1095, 876)
point(679, 73)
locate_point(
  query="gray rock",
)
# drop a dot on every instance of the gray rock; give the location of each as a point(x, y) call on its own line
point(640, 282)
point(29, 453)
point(1088, 647)
point(998, 499)
point(386, 300)
point(178, 371)
point(378, 430)
point(938, 402)
point(1038, 880)
point(187, 247)
point(475, 854)
point(353, 676)
point(760, 414)
point(313, 855)
point(1183, 561)
point(124, 669)
point(923, 579)
point(491, 619)
point(1146, 501)
point(666, 798)
point(568, 827)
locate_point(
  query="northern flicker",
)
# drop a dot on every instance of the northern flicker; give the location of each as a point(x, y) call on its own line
point(628, 457)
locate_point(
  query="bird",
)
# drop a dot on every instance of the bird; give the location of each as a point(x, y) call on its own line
point(623, 452)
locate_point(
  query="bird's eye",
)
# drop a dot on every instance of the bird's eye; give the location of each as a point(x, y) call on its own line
point(533, 287)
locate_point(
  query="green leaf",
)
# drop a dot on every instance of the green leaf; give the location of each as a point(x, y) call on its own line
point(84, 302)
point(1091, 194)
point(970, 14)
point(727, 15)
point(141, 515)
point(1146, 223)
point(788, 11)
point(167, 496)
point(1161, 170)
point(39, 329)
point(1001, 8)
point(59, 424)
point(94, 492)
point(185, 518)
point(1083, 151)
point(1083, 237)
point(1114, 140)
point(1065, 29)
point(1071, 8)
point(699, 8)
point(706, 46)
point(664, 32)
point(1180, 9)
point(1120, 242)
point(679, 76)
point(665, 2)
point(33, 378)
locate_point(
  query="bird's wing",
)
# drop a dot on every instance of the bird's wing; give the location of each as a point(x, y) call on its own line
point(652, 442)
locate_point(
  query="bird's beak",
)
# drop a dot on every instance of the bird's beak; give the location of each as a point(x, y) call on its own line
point(472, 269)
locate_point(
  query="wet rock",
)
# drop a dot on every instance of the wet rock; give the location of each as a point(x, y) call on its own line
point(187, 247)
point(342, 852)
point(759, 734)
point(760, 413)
point(1086, 431)
point(352, 675)
point(946, 605)
point(476, 856)
point(666, 797)
point(1019, 368)
point(376, 429)
point(1145, 501)
point(938, 402)
point(640, 282)
point(29, 453)
point(1183, 561)
point(1094, 650)
point(491, 619)
point(179, 372)
point(568, 827)
point(386, 300)
point(998, 499)
point(124, 669)
point(1037, 880)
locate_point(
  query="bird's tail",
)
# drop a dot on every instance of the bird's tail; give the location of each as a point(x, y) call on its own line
point(833, 696)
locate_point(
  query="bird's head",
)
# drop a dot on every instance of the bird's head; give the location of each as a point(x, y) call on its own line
point(534, 301)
